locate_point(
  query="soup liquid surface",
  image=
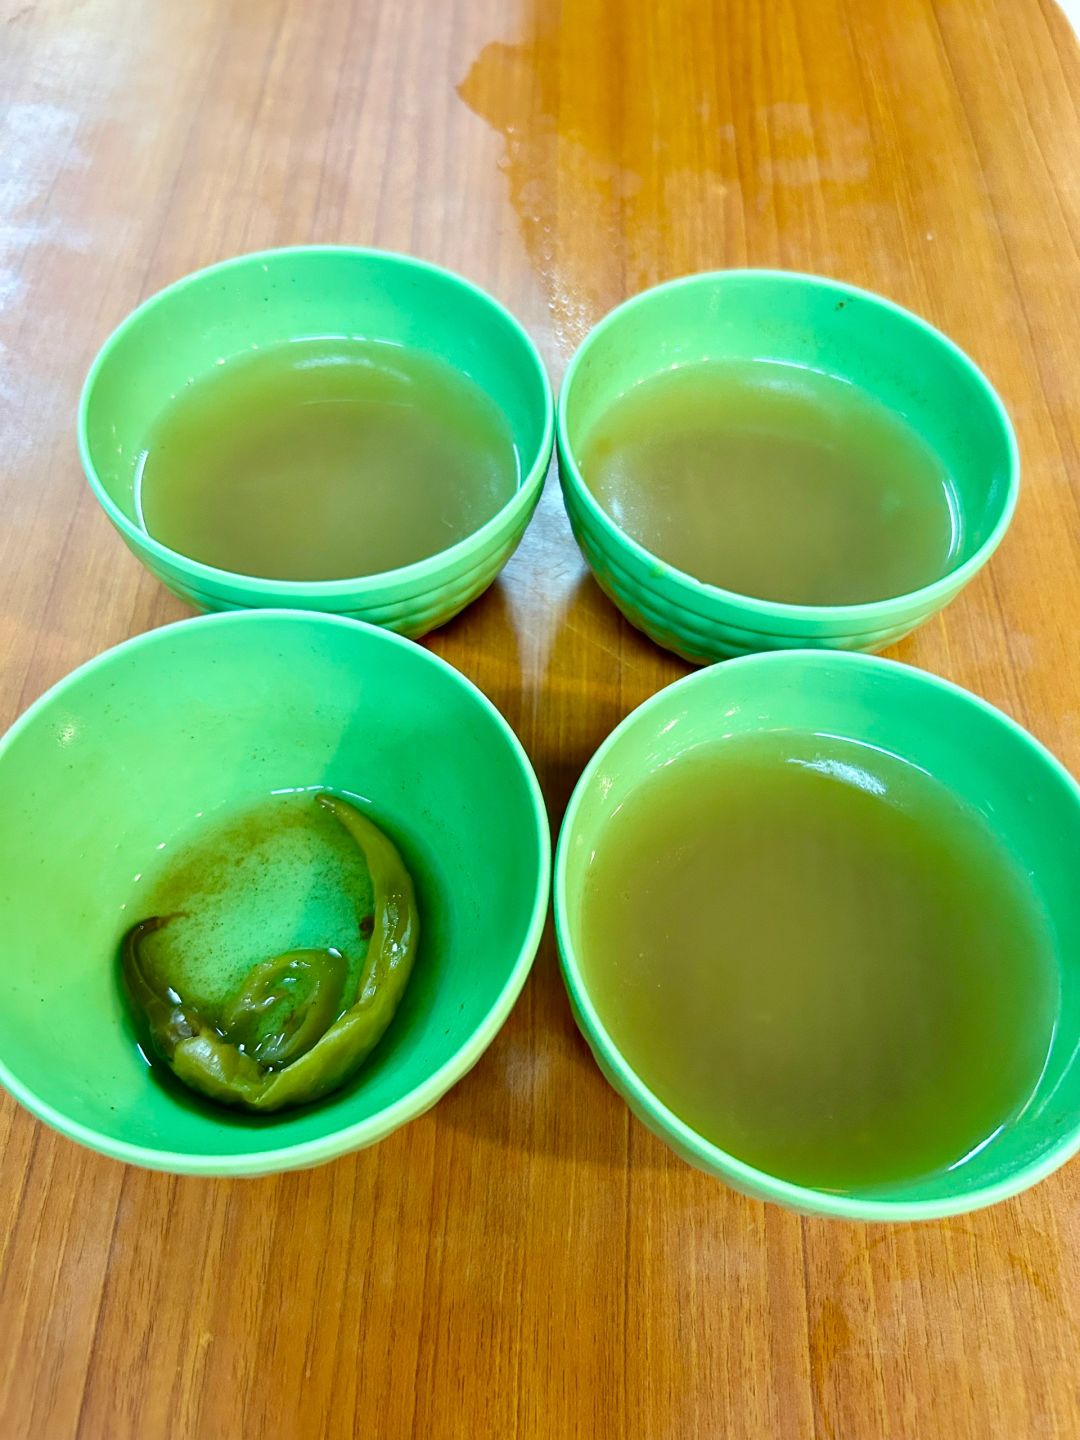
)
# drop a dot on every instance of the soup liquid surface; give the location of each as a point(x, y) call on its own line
point(325, 459)
point(819, 960)
point(773, 481)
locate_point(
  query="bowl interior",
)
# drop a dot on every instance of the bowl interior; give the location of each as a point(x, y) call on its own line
point(211, 716)
point(1032, 804)
point(800, 320)
point(270, 298)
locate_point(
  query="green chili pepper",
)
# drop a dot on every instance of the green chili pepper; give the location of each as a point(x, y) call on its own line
point(318, 1044)
point(269, 987)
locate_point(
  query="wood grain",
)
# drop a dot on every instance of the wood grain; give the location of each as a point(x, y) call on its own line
point(526, 1261)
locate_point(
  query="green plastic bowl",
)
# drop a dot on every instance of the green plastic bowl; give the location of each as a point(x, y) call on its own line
point(119, 760)
point(279, 295)
point(823, 325)
point(980, 755)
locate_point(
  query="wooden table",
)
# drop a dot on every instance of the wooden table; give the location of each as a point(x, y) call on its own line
point(526, 1261)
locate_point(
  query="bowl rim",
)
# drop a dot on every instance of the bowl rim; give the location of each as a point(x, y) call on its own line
point(422, 1096)
point(284, 594)
point(676, 1132)
point(867, 613)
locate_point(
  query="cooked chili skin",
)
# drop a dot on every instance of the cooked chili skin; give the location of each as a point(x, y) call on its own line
point(321, 1043)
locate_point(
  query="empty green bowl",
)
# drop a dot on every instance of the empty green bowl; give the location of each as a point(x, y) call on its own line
point(981, 756)
point(280, 295)
point(822, 325)
point(138, 750)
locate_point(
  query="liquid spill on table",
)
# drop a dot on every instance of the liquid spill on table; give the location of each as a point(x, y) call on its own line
point(622, 156)
point(575, 146)
point(612, 190)
point(624, 167)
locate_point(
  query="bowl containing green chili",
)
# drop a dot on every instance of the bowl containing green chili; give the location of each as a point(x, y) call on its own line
point(145, 750)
